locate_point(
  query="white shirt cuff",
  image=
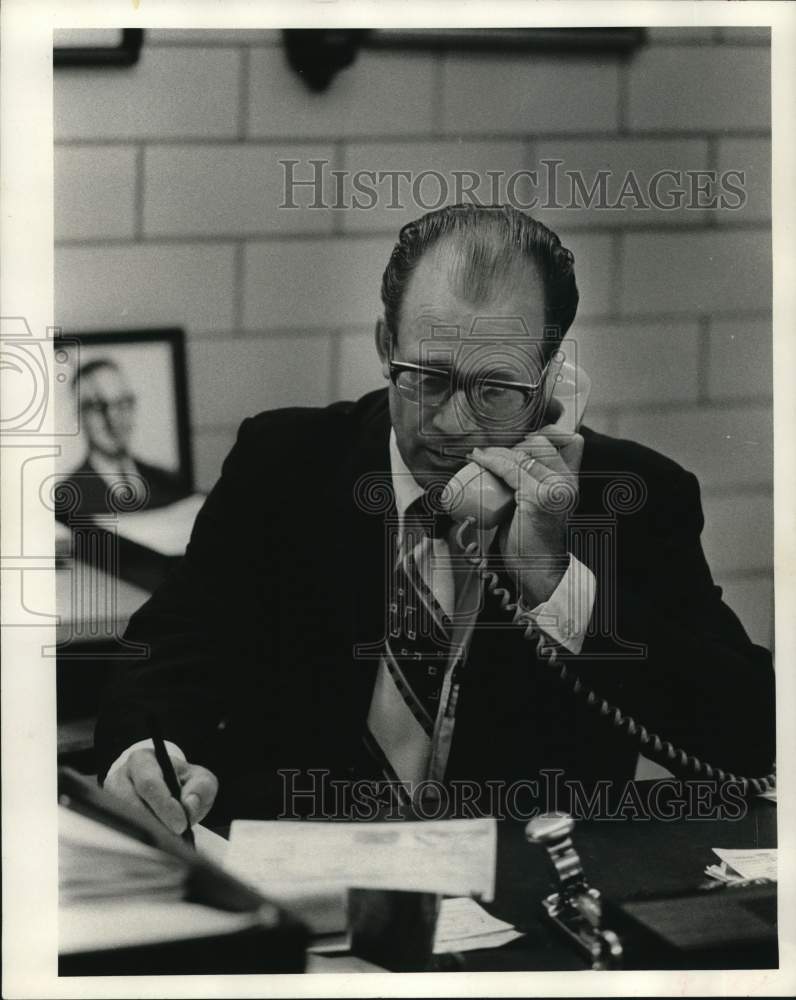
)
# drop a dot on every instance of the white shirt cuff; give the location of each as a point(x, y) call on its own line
point(565, 616)
point(173, 751)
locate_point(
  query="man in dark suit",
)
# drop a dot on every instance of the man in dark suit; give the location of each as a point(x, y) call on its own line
point(283, 647)
point(111, 478)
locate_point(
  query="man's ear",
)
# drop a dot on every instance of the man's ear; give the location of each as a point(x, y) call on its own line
point(382, 346)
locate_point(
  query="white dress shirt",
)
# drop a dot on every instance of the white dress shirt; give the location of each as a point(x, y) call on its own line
point(115, 471)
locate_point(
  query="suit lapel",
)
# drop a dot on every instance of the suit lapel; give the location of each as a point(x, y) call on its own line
point(365, 507)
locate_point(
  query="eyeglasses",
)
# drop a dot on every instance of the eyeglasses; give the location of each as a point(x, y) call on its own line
point(123, 404)
point(495, 398)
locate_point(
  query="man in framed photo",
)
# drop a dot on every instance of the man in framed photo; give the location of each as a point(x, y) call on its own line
point(107, 409)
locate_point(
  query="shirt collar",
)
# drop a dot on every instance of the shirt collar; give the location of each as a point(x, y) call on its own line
point(406, 488)
point(108, 468)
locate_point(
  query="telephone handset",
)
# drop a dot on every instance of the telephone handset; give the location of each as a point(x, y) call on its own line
point(475, 493)
point(477, 499)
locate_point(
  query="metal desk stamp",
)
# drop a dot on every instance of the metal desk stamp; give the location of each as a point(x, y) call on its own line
point(576, 909)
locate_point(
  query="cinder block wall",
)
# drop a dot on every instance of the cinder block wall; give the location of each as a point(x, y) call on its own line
point(167, 185)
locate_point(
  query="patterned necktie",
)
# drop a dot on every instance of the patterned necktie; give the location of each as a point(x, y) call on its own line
point(400, 726)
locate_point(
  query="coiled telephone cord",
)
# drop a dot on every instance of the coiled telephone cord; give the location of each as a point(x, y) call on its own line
point(661, 751)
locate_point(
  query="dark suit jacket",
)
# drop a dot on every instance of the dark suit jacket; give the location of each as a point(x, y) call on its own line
point(90, 490)
point(285, 574)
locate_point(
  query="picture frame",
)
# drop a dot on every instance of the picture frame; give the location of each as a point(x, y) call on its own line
point(123, 51)
point(148, 368)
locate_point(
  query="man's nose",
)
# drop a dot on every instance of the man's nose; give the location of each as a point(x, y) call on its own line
point(114, 421)
point(454, 417)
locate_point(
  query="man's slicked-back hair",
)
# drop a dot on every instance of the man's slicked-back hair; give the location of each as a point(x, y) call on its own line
point(490, 242)
point(95, 365)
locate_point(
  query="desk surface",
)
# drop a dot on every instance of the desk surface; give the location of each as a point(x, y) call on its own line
point(621, 858)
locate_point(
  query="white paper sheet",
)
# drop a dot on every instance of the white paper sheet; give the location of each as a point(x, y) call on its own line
point(289, 860)
point(750, 863)
point(122, 922)
point(165, 529)
point(462, 917)
point(210, 845)
point(463, 925)
point(78, 832)
point(96, 861)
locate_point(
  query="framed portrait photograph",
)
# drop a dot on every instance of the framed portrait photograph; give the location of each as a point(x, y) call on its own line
point(123, 414)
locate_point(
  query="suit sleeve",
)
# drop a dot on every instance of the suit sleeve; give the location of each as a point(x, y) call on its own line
point(197, 625)
point(700, 682)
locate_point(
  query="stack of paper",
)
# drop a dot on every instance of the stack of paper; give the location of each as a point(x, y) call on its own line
point(96, 862)
point(120, 923)
point(126, 882)
point(739, 865)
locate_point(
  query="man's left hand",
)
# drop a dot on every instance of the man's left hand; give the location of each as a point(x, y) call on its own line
point(542, 473)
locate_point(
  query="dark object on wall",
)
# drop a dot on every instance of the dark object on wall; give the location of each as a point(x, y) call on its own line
point(121, 55)
point(317, 55)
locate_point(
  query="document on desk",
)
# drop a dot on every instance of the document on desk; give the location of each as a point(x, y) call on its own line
point(312, 864)
point(97, 862)
point(127, 922)
point(165, 530)
point(463, 925)
point(210, 845)
point(750, 863)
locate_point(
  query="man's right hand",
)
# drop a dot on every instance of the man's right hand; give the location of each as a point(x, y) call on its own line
point(139, 781)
